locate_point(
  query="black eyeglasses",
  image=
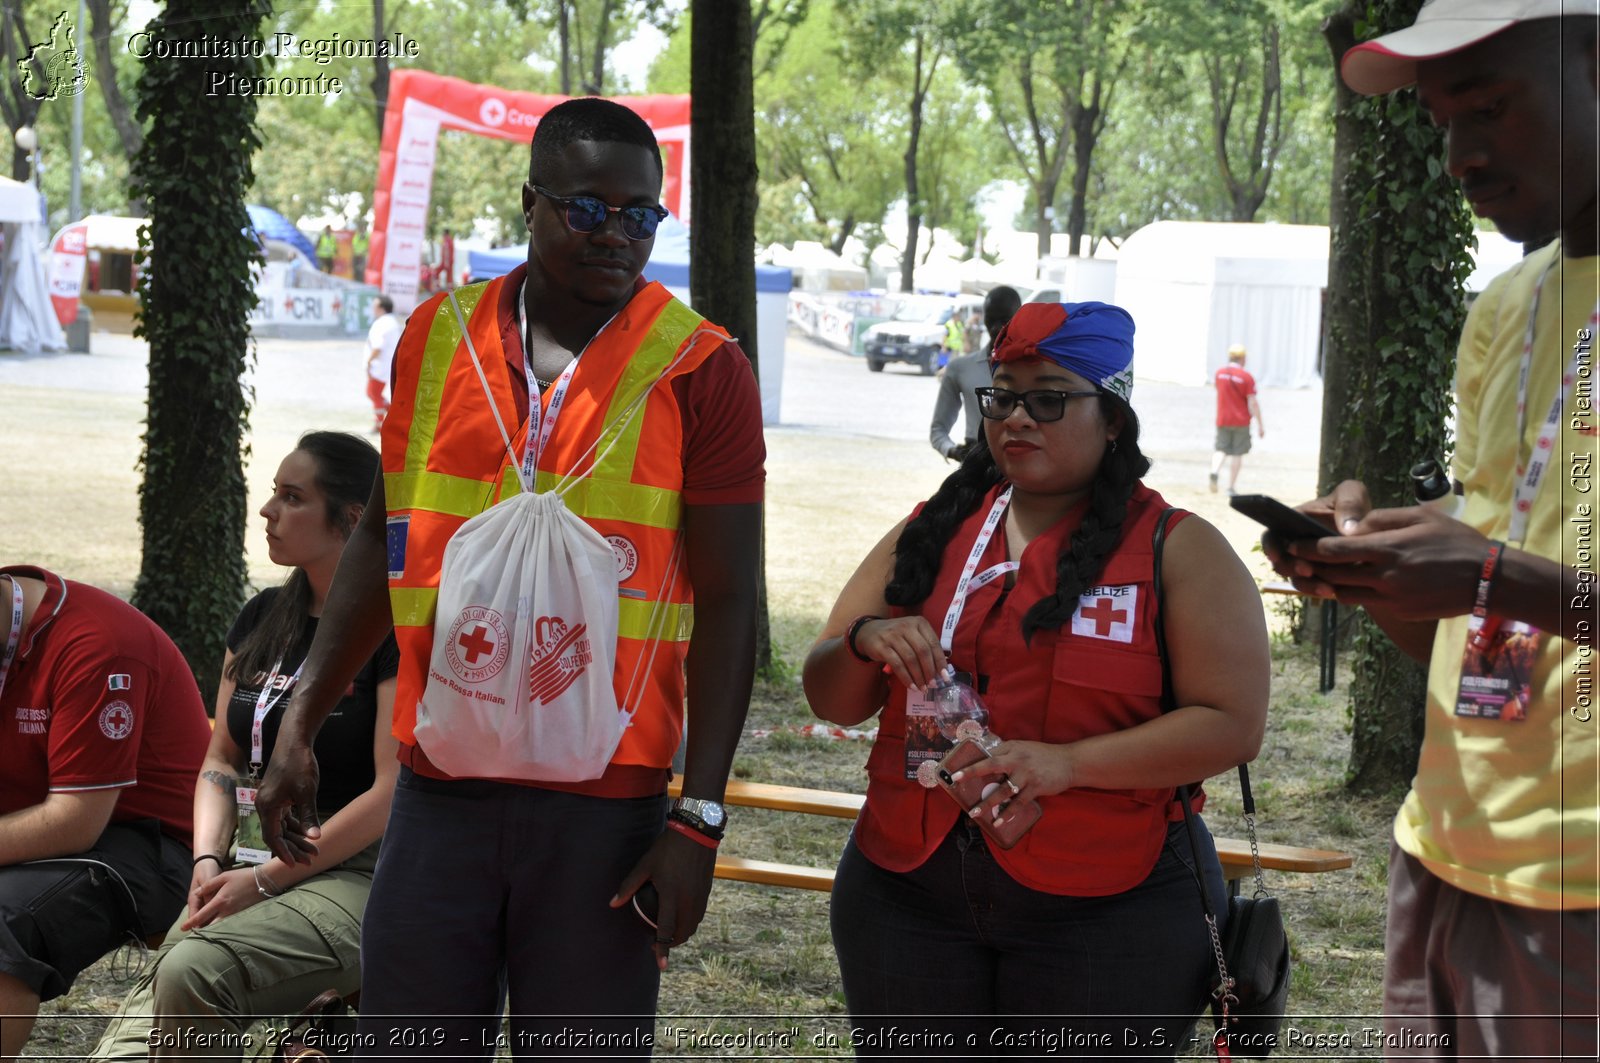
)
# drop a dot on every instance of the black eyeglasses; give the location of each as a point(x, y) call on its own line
point(997, 403)
point(585, 214)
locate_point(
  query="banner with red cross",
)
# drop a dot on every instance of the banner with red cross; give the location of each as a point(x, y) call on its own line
point(1107, 613)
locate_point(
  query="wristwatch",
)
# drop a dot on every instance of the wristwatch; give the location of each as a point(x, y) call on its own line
point(707, 817)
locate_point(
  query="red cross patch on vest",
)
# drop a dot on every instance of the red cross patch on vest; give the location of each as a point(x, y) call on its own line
point(1107, 613)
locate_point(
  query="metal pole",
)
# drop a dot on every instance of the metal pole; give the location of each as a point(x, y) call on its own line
point(75, 197)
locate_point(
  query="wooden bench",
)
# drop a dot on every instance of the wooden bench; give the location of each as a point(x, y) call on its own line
point(1233, 852)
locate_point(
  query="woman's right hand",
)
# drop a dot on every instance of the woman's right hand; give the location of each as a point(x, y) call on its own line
point(204, 872)
point(907, 644)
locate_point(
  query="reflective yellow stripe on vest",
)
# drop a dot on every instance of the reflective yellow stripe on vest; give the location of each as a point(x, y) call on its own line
point(415, 607)
point(444, 336)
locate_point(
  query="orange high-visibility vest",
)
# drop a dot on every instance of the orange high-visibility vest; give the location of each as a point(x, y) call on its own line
point(444, 462)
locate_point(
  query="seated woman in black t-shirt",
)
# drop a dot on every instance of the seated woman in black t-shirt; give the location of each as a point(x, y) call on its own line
point(261, 937)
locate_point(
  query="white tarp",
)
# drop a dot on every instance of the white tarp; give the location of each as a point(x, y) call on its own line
point(1196, 288)
point(27, 322)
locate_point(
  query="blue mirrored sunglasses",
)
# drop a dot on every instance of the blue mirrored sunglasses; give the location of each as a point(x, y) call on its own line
point(585, 214)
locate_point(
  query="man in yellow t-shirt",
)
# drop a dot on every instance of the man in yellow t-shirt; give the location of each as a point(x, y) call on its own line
point(1494, 874)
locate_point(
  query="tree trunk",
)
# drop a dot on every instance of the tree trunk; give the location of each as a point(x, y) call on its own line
point(722, 273)
point(194, 169)
point(1389, 357)
point(17, 108)
point(564, 32)
point(602, 34)
point(380, 71)
point(105, 71)
point(908, 258)
point(1085, 133)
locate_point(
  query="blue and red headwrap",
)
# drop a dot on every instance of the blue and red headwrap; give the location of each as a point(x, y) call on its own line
point(1094, 340)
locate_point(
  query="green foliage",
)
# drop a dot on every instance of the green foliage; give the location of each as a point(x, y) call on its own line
point(1395, 310)
point(194, 169)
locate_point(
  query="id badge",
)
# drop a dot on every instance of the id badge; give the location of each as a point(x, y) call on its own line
point(1497, 681)
point(926, 745)
point(252, 845)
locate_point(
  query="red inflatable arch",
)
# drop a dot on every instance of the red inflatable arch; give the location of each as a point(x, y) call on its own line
point(423, 103)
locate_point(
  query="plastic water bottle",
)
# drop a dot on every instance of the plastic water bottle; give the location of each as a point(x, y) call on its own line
point(959, 711)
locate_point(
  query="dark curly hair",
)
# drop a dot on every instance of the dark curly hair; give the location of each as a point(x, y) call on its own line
point(921, 545)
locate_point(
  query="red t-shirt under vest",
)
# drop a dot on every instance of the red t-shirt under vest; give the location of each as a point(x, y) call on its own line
point(1099, 673)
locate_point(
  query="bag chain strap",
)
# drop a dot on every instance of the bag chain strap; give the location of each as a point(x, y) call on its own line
point(1223, 994)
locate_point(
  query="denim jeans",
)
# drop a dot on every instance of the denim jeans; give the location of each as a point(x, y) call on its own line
point(486, 890)
point(956, 958)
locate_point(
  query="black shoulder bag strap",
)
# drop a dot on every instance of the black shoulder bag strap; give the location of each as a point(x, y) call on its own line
point(1224, 990)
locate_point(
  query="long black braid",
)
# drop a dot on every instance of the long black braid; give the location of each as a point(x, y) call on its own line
point(921, 546)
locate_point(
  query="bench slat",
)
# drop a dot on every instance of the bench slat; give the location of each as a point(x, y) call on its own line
point(742, 794)
point(1234, 853)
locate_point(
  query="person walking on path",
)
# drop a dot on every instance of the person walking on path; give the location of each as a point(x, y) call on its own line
point(962, 375)
point(1236, 406)
point(1494, 867)
point(382, 339)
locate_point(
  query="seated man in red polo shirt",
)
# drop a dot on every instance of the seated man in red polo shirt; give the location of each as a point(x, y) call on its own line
point(101, 735)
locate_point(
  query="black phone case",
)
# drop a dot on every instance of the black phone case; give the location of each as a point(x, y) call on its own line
point(1279, 518)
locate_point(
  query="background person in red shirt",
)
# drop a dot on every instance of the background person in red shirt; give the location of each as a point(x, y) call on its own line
point(101, 735)
point(1236, 405)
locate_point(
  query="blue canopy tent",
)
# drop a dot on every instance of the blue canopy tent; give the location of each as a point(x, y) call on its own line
point(272, 225)
point(669, 264)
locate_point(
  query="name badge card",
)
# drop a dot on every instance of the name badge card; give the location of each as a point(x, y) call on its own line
point(252, 844)
point(1497, 670)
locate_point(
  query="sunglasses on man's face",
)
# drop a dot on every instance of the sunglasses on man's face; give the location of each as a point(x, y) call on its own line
point(997, 403)
point(585, 214)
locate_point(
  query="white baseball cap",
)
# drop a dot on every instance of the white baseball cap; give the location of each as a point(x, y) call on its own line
point(1386, 63)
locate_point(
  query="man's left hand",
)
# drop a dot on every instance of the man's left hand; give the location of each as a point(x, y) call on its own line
point(681, 871)
point(1415, 563)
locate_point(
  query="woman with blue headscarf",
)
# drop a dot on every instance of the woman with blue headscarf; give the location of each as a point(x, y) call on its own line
point(1030, 574)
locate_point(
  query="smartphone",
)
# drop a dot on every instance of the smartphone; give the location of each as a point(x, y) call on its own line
point(1278, 518)
point(1017, 817)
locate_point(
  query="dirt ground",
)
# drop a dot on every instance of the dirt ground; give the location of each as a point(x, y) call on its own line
point(850, 460)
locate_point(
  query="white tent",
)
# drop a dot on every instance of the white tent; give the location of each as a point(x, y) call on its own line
point(27, 321)
point(1195, 288)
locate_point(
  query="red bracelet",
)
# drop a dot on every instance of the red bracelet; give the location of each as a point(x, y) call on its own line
point(1489, 625)
point(692, 834)
point(852, 631)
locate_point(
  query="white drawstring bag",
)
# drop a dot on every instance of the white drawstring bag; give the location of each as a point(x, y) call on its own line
point(525, 634)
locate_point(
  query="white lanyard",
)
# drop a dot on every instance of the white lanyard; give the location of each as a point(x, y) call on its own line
point(1533, 469)
point(968, 582)
point(265, 703)
point(541, 422)
point(15, 636)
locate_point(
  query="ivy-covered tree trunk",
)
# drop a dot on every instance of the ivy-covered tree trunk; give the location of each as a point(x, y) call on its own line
point(1396, 303)
point(722, 180)
point(193, 169)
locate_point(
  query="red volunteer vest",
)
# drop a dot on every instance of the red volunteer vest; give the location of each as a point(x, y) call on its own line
point(1100, 673)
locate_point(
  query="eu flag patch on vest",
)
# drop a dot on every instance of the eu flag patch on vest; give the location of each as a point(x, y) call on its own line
point(397, 529)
